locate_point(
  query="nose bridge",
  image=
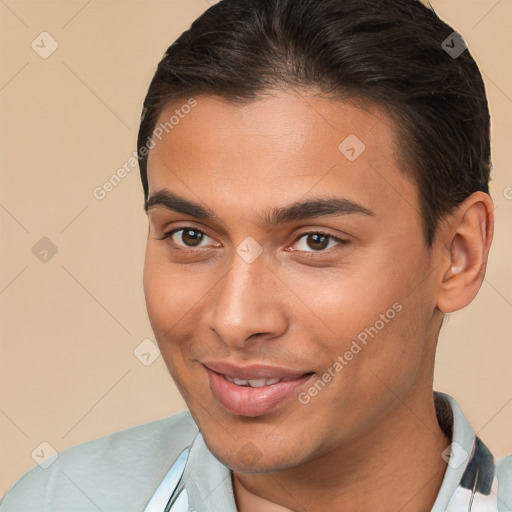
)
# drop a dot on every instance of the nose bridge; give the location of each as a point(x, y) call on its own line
point(243, 303)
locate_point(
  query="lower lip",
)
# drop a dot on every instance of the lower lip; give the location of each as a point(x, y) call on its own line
point(247, 401)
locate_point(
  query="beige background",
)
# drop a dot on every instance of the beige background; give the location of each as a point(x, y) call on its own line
point(69, 327)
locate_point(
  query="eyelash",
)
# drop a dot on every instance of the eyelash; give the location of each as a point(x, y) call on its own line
point(309, 254)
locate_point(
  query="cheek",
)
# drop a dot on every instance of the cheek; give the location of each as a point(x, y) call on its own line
point(168, 301)
point(170, 296)
point(174, 300)
point(395, 350)
point(374, 318)
point(346, 302)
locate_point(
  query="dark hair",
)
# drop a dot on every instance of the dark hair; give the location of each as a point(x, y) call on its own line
point(389, 52)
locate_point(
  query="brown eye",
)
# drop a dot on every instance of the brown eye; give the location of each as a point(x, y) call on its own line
point(317, 241)
point(185, 237)
point(191, 237)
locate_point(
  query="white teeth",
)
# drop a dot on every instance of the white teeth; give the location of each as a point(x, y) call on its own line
point(257, 383)
point(253, 383)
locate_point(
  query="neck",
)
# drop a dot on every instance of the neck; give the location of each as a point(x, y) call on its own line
point(395, 466)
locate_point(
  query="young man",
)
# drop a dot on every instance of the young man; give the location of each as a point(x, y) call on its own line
point(316, 182)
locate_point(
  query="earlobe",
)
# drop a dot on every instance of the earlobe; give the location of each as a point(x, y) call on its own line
point(467, 239)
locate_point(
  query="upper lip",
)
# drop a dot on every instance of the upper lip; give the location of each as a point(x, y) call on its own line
point(253, 371)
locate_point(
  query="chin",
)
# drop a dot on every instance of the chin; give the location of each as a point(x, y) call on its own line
point(262, 466)
point(254, 457)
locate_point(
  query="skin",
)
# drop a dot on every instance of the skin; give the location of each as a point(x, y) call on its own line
point(369, 439)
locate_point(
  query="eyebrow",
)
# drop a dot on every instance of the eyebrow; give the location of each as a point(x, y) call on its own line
point(299, 210)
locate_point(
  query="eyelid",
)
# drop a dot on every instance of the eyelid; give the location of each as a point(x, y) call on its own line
point(312, 231)
point(171, 232)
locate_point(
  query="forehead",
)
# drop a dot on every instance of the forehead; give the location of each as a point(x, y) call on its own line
point(278, 149)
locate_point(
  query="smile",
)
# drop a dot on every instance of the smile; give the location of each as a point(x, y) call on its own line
point(256, 390)
point(255, 383)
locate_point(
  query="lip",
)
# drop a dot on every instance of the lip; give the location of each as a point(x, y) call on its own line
point(252, 402)
point(253, 371)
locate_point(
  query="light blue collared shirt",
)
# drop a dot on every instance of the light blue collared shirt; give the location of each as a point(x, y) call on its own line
point(166, 466)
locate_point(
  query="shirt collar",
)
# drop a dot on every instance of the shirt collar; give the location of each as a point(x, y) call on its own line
point(470, 466)
point(470, 473)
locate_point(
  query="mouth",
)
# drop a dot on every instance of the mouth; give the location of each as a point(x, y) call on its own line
point(254, 390)
point(253, 383)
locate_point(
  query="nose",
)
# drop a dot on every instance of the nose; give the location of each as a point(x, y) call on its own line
point(247, 303)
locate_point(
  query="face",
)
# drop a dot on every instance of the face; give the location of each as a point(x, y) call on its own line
point(286, 276)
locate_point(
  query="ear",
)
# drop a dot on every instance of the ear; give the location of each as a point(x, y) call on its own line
point(466, 238)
